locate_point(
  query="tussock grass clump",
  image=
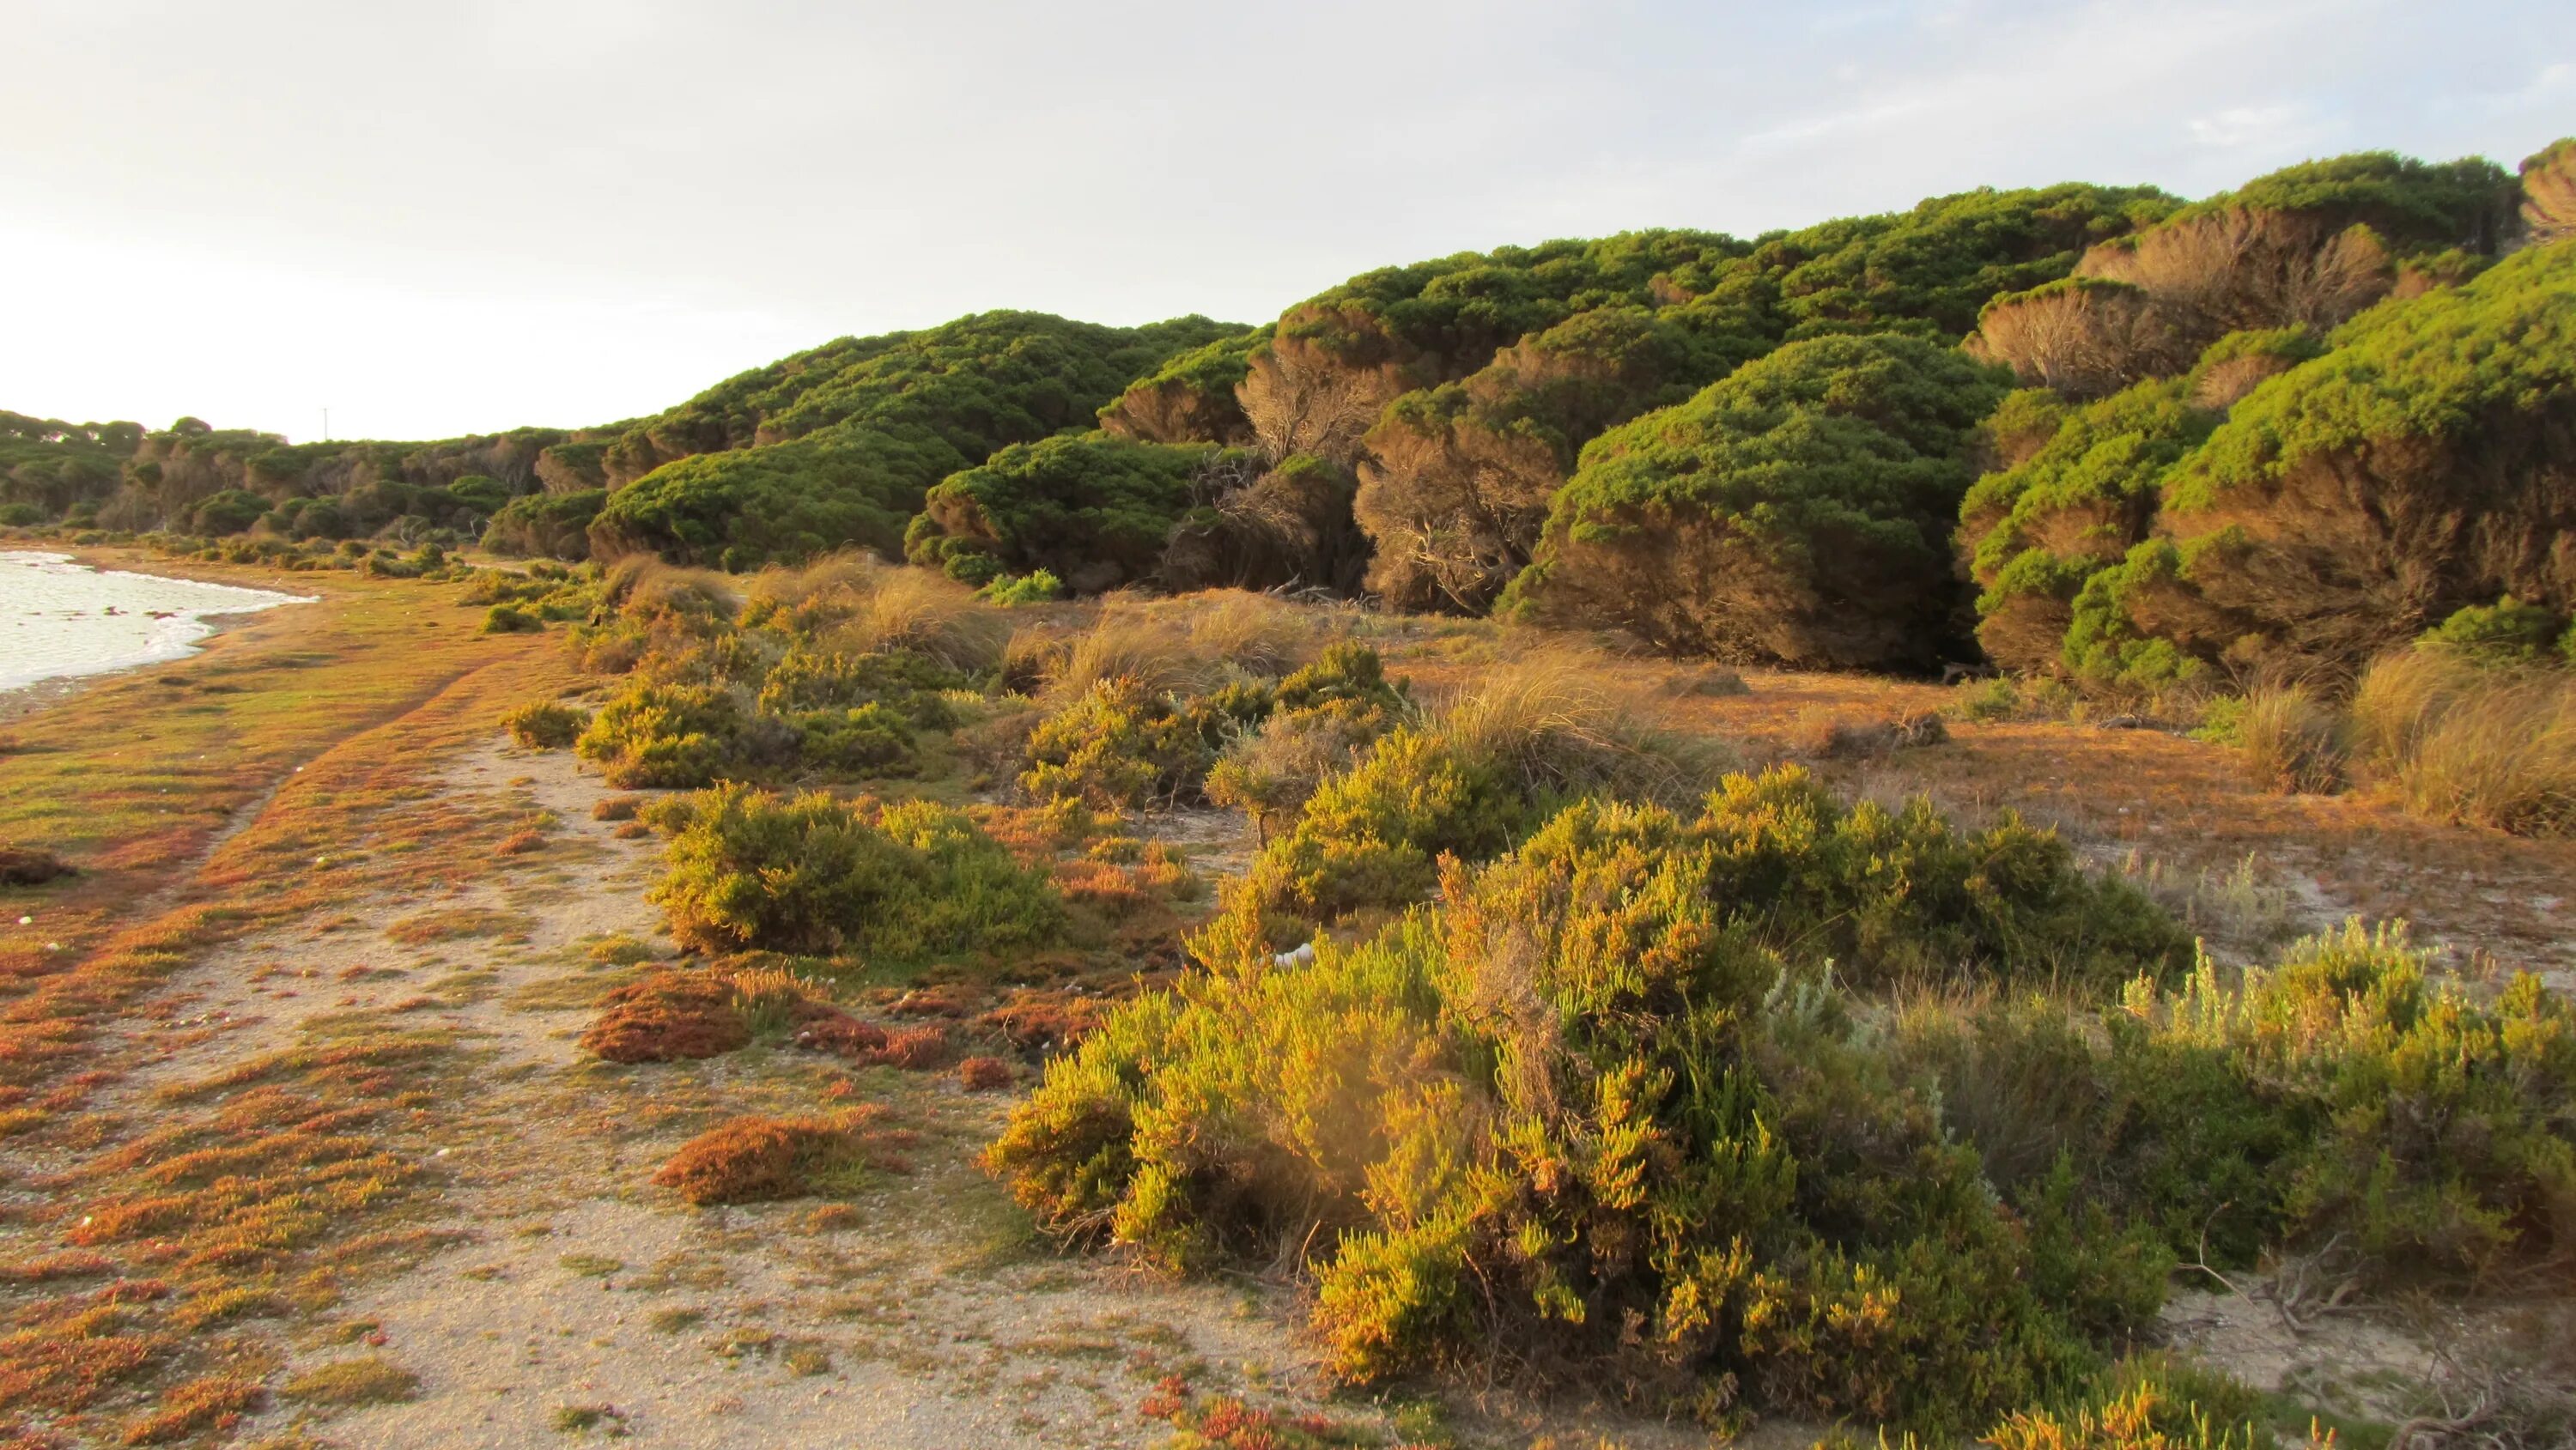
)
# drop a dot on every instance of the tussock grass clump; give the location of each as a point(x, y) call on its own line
point(545, 725)
point(1128, 644)
point(761, 1159)
point(2290, 740)
point(2459, 742)
point(1615, 1117)
point(929, 615)
point(750, 870)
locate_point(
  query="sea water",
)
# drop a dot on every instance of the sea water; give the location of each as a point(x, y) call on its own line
point(58, 617)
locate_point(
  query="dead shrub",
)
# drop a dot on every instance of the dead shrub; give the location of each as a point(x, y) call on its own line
point(520, 843)
point(2237, 269)
point(201, 1406)
point(1128, 643)
point(667, 1017)
point(2290, 741)
point(2455, 741)
point(1828, 736)
point(616, 807)
point(2082, 338)
point(916, 1049)
point(762, 1160)
point(983, 1074)
point(1037, 1020)
point(842, 1035)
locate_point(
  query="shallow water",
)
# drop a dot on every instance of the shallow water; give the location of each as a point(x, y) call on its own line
point(59, 618)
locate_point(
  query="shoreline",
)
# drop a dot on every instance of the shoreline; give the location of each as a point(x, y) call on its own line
point(196, 636)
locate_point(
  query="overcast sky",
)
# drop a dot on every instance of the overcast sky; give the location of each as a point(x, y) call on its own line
point(443, 218)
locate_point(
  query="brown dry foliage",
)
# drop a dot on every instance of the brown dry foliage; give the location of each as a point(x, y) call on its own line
point(1452, 510)
point(669, 1016)
point(983, 1074)
point(210, 1405)
point(2458, 742)
point(1303, 395)
point(1172, 411)
point(761, 1159)
point(2085, 342)
point(1829, 736)
point(2237, 269)
point(2291, 742)
point(2549, 194)
point(21, 866)
point(1277, 528)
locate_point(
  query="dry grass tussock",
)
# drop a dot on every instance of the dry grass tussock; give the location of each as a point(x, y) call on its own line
point(929, 614)
point(2460, 742)
point(2291, 740)
point(1552, 720)
point(642, 584)
point(1181, 646)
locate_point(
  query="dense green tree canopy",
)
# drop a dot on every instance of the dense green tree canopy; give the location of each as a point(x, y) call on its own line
point(1094, 510)
point(1798, 510)
point(839, 445)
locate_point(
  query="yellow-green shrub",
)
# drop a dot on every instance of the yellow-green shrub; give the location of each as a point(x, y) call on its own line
point(815, 875)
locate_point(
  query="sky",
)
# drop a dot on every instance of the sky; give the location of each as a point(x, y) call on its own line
point(435, 219)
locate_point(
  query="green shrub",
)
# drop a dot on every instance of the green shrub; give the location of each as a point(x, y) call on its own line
point(864, 740)
point(20, 515)
point(2507, 632)
point(545, 725)
point(655, 736)
point(838, 445)
point(2442, 1130)
point(1601, 1107)
point(1094, 509)
point(814, 875)
point(812, 677)
point(1014, 590)
point(1120, 745)
point(510, 619)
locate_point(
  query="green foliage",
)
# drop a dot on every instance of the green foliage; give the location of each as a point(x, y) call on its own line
point(1322, 718)
point(1094, 509)
point(510, 619)
point(2039, 530)
point(658, 736)
point(862, 740)
point(2440, 1132)
point(2414, 470)
point(2417, 205)
point(229, 512)
point(545, 725)
point(1798, 510)
point(815, 875)
point(2507, 632)
point(51, 466)
point(545, 525)
point(1011, 591)
point(1120, 744)
point(1600, 1106)
point(810, 676)
point(837, 446)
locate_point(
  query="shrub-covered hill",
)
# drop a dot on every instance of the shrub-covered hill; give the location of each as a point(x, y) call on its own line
point(1717, 443)
point(2418, 461)
point(838, 445)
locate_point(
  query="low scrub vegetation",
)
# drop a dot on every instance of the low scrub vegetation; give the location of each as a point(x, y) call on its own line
point(750, 870)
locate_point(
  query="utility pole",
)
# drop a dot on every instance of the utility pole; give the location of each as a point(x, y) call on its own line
point(326, 425)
